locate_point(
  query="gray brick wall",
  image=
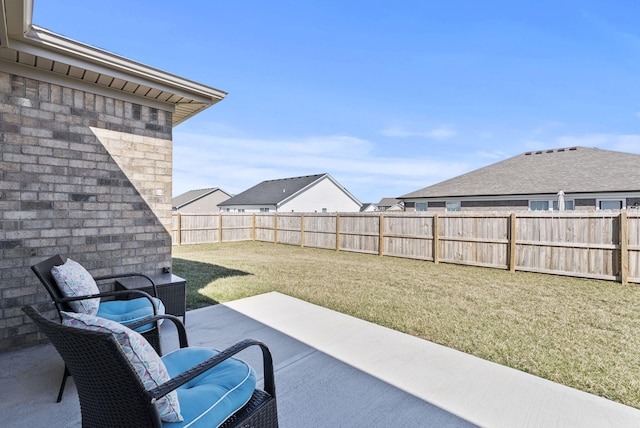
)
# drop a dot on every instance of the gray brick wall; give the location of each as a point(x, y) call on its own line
point(82, 175)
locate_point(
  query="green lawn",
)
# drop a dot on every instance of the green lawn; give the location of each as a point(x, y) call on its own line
point(578, 332)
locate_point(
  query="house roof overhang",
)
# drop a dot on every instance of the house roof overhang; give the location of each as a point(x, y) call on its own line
point(41, 53)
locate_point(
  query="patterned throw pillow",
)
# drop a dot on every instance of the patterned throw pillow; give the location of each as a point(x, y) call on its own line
point(148, 365)
point(74, 280)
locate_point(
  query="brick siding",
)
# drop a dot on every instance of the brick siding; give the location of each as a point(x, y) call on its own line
point(82, 175)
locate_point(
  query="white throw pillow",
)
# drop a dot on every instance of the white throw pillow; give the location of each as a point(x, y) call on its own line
point(147, 363)
point(74, 281)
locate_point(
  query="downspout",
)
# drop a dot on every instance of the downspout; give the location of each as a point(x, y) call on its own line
point(4, 35)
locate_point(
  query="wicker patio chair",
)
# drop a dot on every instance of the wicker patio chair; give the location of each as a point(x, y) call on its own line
point(124, 306)
point(112, 395)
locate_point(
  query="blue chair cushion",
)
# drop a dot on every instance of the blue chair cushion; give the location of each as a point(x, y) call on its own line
point(126, 312)
point(209, 399)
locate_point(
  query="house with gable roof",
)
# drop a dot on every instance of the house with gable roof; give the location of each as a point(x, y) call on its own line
point(309, 193)
point(368, 207)
point(86, 161)
point(587, 179)
point(390, 204)
point(199, 201)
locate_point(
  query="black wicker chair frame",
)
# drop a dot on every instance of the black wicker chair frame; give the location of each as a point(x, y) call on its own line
point(111, 393)
point(43, 272)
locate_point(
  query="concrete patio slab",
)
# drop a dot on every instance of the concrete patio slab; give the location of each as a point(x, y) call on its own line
point(333, 370)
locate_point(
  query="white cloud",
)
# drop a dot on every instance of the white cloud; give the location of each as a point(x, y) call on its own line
point(235, 164)
point(439, 133)
point(492, 155)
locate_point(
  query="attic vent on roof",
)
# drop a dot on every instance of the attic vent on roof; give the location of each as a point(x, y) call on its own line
point(549, 151)
point(573, 148)
point(539, 152)
point(528, 154)
point(561, 150)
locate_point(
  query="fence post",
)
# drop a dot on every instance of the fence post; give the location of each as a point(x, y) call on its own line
point(381, 235)
point(275, 228)
point(337, 232)
point(624, 249)
point(253, 227)
point(220, 227)
point(512, 242)
point(436, 243)
point(302, 230)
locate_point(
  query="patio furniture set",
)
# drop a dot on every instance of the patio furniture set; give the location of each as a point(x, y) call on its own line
point(111, 345)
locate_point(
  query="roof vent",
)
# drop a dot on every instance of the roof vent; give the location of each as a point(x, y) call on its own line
point(528, 154)
point(573, 148)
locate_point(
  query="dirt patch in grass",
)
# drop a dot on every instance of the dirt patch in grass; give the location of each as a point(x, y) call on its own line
point(581, 333)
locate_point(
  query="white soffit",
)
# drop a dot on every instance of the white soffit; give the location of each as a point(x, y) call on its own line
point(30, 46)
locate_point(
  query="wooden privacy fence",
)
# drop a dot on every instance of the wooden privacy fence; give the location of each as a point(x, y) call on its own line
point(599, 245)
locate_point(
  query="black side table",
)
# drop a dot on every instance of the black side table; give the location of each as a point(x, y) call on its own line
point(171, 290)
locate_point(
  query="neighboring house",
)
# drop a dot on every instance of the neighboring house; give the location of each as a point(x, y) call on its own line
point(85, 161)
point(588, 179)
point(310, 193)
point(200, 201)
point(390, 204)
point(368, 207)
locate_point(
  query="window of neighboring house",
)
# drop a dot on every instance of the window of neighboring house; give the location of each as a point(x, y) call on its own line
point(539, 205)
point(421, 206)
point(240, 210)
point(324, 210)
point(568, 205)
point(611, 204)
point(264, 210)
point(453, 206)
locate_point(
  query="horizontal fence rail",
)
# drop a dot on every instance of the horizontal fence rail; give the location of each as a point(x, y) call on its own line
point(601, 245)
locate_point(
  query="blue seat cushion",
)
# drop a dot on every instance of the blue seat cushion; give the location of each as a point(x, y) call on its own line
point(209, 399)
point(126, 312)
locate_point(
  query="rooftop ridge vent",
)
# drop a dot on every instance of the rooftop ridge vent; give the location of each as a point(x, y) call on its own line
point(539, 152)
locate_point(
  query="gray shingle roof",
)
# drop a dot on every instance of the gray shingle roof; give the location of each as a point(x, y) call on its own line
point(573, 170)
point(272, 192)
point(190, 196)
point(388, 202)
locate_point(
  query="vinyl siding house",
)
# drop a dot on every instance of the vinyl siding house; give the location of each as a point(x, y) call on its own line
point(310, 193)
point(85, 161)
point(589, 178)
point(368, 207)
point(200, 201)
point(390, 204)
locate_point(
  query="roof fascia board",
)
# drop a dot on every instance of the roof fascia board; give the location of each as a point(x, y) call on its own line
point(70, 82)
point(41, 42)
point(344, 189)
point(583, 195)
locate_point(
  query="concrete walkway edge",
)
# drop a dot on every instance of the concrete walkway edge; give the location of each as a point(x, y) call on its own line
point(479, 391)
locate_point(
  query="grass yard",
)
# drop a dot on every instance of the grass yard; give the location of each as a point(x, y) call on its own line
point(581, 333)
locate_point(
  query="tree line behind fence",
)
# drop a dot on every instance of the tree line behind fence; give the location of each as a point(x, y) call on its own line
point(600, 245)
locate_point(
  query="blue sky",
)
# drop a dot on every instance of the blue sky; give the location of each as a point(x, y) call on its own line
point(387, 97)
